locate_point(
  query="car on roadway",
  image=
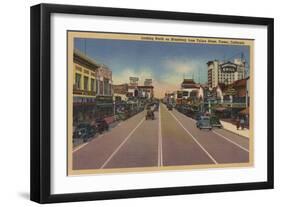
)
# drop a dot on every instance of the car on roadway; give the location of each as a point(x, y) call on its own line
point(149, 115)
point(204, 123)
point(102, 126)
point(170, 107)
point(215, 122)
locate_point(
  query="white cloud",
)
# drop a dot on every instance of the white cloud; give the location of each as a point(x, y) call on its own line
point(141, 73)
point(180, 66)
point(167, 80)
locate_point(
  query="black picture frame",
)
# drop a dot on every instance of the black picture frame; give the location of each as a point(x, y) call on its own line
point(41, 98)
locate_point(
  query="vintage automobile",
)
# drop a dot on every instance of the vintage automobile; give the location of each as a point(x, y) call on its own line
point(84, 131)
point(102, 125)
point(170, 107)
point(122, 116)
point(215, 122)
point(204, 123)
point(149, 115)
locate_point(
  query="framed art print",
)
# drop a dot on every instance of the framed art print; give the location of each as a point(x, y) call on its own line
point(132, 103)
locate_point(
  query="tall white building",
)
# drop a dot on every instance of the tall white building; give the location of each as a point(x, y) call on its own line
point(225, 72)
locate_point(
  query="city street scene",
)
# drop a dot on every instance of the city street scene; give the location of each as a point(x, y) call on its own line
point(156, 103)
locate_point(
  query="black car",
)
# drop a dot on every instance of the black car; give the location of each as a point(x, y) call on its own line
point(149, 115)
point(215, 122)
point(84, 131)
point(102, 125)
point(170, 107)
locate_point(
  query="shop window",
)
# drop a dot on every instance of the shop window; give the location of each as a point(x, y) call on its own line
point(93, 85)
point(86, 80)
point(78, 81)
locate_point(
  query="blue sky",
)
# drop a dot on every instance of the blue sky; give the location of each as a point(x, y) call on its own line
point(165, 62)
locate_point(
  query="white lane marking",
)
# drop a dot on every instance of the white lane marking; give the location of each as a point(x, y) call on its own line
point(183, 115)
point(160, 153)
point(84, 144)
point(210, 156)
point(243, 148)
point(122, 143)
point(79, 147)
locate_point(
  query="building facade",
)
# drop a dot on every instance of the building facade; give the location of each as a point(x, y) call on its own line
point(189, 88)
point(120, 92)
point(146, 91)
point(104, 98)
point(225, 72)
point(92, 89)
point(84, 86)
point(104, 81)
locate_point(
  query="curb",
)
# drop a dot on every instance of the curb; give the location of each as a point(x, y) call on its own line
point(236, 133)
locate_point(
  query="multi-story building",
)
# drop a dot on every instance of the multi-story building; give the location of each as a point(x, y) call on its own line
point(189, 88)
point(104, 81)
point(104, 99)
point(84, 75)
point(92, 89)
point(140, 91)
point(120, 92)
point(225, 72)
point(146, 91)
point(84, 86)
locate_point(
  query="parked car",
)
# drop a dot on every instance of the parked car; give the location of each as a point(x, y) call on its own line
point(149, 115)
point(84, 131)
point(102, 125)
point(215, 122)
point(204, 123)
point(122, 116)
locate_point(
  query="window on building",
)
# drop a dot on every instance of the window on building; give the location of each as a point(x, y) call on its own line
point(97, 86)
point(101, 91)
point(106, 86)
point(86, 83)
point(185, 93)
point(179, 94)
point(78, 81)
point(93, 85)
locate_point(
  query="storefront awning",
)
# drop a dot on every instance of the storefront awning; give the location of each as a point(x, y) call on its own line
point(220, 109)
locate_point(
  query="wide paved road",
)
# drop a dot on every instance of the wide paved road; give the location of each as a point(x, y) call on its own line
point(172, 139)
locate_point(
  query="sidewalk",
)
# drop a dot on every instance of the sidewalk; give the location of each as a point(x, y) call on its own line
point(231, 127)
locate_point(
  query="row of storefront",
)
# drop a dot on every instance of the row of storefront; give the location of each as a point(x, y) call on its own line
point(92, 89)
point(95, 97)
point(227, 101)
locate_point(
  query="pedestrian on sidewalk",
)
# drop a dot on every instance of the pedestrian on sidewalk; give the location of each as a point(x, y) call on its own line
point(237, 123)
point(242, 123)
